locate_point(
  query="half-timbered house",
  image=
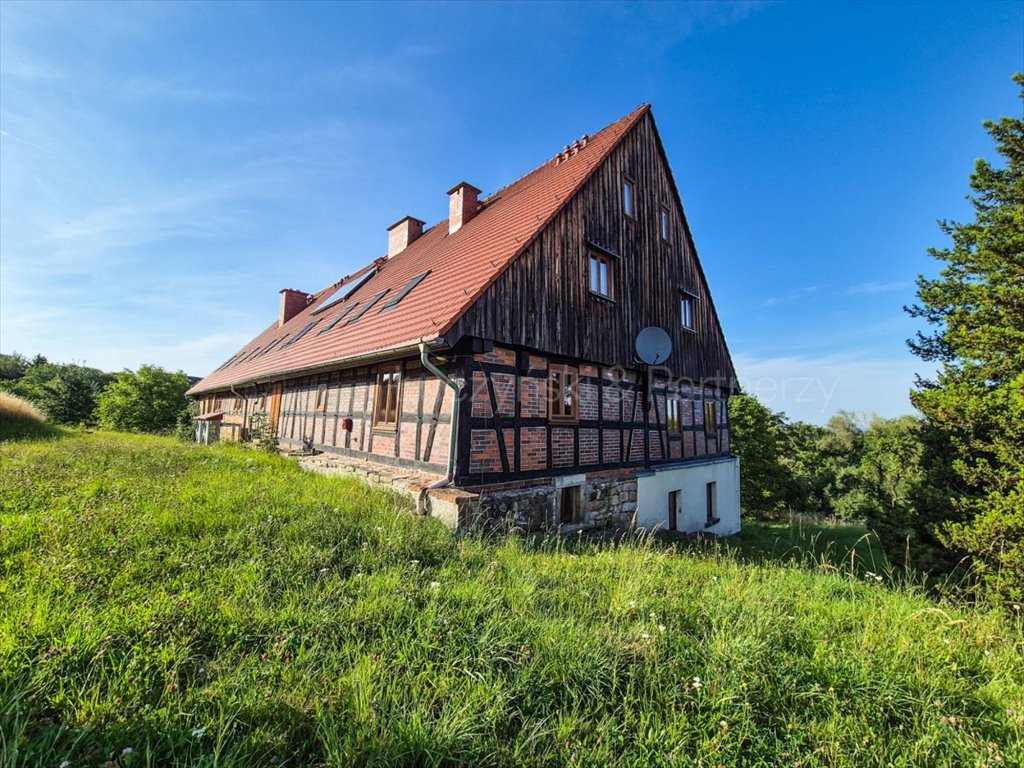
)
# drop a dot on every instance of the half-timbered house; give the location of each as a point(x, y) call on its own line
point(495, 350)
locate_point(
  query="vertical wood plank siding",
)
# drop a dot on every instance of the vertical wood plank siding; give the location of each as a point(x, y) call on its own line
point(543, 300)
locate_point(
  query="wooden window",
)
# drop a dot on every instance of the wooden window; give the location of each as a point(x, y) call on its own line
point(569, 510)
point(664, 223)
point(600, 275)
point(562, 404)
point(238, 402)
point(321, 398)
point(386, 404)
point(672, 414)
point(263, 402)
point(712, 510)
point(629, 198)
point(686, 311)
point(710, 418)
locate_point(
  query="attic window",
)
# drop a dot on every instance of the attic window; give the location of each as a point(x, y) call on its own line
point(664, 223)
point(405, 290)
point(629, 198)
point(337, 319)
point(373, 300)
point(600, 275)
point(306, 329)
point(686, 302)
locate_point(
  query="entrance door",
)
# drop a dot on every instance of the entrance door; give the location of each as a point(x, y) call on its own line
point(673, 510)
point(275, 403)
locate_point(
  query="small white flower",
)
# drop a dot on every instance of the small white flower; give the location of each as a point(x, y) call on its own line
point(645, 636)
point(661, 627)
point(435, 584)
point(697, 684)
point(198, 733)
point(126, 751)
point(64, 764)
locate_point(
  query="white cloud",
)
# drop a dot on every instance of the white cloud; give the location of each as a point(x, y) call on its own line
point(876, 287)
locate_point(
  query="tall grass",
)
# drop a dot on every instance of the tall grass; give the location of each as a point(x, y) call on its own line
point(19, 418)
point(169, 604)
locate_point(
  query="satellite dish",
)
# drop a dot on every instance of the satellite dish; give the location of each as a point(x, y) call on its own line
point(653, 345)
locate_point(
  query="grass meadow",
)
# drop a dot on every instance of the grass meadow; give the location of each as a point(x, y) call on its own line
point(164, 604)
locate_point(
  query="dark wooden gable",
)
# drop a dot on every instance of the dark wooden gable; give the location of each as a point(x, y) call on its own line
point(543, 300)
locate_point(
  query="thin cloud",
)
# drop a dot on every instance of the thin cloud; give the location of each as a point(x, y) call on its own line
point(876, 287)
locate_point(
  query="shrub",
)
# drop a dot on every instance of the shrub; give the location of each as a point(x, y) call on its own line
point(19, 409)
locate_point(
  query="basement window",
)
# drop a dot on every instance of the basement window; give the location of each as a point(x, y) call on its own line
point(710, 418)
point(373, 300)
point(405, 291)
point(321, 398)
point(600, 275)
point(386, 399)
point(570, 508)
point(629, 198)
point(712, 510)
point(562, 386)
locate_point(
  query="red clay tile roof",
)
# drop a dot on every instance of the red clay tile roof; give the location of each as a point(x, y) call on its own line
point(461, 267)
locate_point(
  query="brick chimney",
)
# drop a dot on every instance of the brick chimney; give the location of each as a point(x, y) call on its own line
point(292, 302)
point(402, 233)
point(462, 205)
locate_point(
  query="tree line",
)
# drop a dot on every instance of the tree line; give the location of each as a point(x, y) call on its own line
point(150, 399)
point(947, 488)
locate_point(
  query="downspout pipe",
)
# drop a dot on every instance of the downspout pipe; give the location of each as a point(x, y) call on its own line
point(453, 439)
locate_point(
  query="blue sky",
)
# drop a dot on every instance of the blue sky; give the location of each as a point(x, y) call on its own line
point(166, 169)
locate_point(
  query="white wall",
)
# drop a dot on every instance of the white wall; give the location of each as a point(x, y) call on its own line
point(653, 489)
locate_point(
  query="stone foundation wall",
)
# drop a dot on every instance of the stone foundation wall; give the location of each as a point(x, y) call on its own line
point(607, 502)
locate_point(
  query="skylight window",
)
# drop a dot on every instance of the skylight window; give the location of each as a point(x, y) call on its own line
point(373, 300)
point(343, 291)
point(271, 345)
point(306, 329)
point(405, 290)
point(337, 319)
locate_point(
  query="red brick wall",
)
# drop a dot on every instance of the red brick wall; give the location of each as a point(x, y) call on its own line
point(607, 402)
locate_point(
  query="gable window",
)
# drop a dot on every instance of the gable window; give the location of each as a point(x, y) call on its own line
point(562, 405)
point(600, 275)
point(321, 398)
point(629, 198)
point(663, 222)
point(385, 401)
point(686, 302)
point(672, 414)
point(710, 418)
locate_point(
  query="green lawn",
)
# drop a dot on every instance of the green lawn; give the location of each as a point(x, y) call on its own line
point(162, 604)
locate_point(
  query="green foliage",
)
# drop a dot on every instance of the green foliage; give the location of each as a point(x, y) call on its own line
point(185, 425)
point(757, 437)
point(12, 366)
point(263, 434)
point(67, 393)
point(218, 606)
point(148, 400)
point(972, 501)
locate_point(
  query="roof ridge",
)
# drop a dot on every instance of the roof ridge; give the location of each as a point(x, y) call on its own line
point(552, 161)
